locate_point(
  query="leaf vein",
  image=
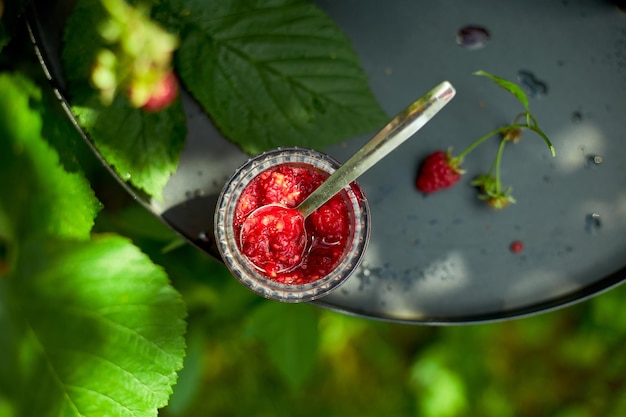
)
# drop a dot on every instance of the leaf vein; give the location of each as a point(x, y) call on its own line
point(234, 89)
point(82, 312)
point(292, 80)
point(55, 374)
point(104, 359)
point(277, 103)
point(100, 394)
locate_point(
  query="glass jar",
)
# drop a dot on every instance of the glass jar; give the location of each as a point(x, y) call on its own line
point(228, 213)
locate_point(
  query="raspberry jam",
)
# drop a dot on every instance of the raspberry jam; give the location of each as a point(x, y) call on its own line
point(266, 244)
point(275, 237)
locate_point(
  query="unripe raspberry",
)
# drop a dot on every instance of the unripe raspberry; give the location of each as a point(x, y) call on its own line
point(163, 95)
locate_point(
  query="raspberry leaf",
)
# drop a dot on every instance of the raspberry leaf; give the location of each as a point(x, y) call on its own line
point(39, 197)
point(273, 73)
point(86, 325)
point(97, 326)
point(509, 86)
point(143, 147)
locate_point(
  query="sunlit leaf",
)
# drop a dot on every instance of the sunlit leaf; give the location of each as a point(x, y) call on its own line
point(37, 196)
point(103, 327)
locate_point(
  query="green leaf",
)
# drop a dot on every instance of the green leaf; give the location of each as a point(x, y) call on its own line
point(532, 125)
point(273, 73)
point(61, 133)
point(290, 335)
point(37, 196)
point(507, 85)
point(81, 46)
point(10, 336)
point(135, 222)
point(103, 329)
point(143, 147)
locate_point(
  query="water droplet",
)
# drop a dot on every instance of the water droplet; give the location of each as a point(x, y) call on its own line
point(577, 117)
point(126, 176)
point(593, 161)
point(203, 236)
point(592, 223)
point(472, 37)
point(534, 87)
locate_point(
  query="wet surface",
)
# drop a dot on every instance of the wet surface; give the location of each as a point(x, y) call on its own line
point(593, 223)
point(533, 86)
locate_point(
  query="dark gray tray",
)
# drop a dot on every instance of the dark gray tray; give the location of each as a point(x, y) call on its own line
point(445, 258)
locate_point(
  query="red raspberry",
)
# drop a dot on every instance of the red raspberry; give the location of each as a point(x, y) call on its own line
point(163, 95)
point(438, 171)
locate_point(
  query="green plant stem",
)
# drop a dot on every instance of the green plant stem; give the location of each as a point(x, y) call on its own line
point(498, 163)
point(525, 115)
point(487, 136)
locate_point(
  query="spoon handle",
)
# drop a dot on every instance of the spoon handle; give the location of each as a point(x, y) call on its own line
point(399, 129)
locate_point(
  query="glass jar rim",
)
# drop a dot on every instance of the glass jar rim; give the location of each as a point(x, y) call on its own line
point(238, 264)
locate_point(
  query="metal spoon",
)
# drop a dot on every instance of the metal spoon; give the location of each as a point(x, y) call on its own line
point(399, 129)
